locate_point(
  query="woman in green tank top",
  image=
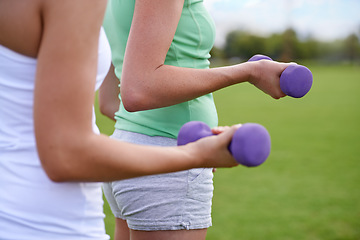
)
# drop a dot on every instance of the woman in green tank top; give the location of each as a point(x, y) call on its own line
point(160, 55)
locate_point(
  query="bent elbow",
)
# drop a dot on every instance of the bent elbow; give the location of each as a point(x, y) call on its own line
point(55, 172)
point(57, 176)
point(103, 108)
point(134, 101)
point(59, 163)
point(107, 110)
point(131, 106)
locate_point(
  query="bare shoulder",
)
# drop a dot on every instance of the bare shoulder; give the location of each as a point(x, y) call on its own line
point(23, 21)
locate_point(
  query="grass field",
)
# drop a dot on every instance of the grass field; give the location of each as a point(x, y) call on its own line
point(309, 188)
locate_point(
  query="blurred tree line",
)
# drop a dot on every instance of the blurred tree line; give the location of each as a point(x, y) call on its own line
point(287, 47)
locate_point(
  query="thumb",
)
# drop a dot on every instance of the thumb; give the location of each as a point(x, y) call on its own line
point(225, 137)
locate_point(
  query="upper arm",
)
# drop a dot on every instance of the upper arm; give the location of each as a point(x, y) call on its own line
point(152, 31)
point(66, 72)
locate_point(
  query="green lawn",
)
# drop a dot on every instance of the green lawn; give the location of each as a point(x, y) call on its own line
point(309, 188)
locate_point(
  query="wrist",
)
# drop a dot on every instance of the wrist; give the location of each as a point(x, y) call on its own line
point(194, 156)
point(252, 72)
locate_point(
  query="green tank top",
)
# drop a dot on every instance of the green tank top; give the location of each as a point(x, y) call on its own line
point(190, 48)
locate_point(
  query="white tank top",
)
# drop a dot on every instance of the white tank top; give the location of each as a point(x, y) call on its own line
point(31, 205)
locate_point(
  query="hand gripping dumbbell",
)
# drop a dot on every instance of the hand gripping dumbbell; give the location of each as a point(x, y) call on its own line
point(295, 80)
point(250, 144)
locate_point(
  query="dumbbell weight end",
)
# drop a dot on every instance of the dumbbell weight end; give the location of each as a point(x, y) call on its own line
point(295, 81)
point(250, 145)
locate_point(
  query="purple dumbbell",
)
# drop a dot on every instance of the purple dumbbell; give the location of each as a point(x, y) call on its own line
point(250, 145)
point(295, 80)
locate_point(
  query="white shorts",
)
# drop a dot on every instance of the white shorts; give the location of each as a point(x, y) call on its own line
point(172, 201)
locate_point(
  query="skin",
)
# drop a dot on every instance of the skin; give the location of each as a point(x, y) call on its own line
point(150, 37)
point(151, 34)
point(66, 73)
point(109, 95)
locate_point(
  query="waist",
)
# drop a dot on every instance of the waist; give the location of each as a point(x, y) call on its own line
point(167, 121)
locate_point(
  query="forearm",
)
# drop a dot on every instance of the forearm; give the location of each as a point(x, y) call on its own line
point(147, 83)
point(63, 107)
point(170, 85)
point(98, 158)
point(73, 156)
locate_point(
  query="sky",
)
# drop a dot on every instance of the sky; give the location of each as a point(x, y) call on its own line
point(325, 20)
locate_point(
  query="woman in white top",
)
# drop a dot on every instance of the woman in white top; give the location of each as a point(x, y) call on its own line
point(51, 57)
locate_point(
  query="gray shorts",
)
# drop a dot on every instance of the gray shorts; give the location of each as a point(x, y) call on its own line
point(172, 201)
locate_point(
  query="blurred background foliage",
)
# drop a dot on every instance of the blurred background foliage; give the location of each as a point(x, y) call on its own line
point(287, 46)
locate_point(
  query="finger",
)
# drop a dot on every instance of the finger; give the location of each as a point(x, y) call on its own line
point(226, 136)
point(219, 129)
